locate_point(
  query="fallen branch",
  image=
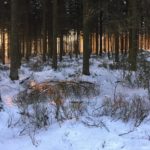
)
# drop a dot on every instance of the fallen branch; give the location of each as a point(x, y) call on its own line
point(93, 123)
point(122, 134)
point(22, 81)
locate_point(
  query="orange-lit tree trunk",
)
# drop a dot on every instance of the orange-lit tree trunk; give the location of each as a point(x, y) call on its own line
point(108, 53)
point(101, 33)
point(3, 46)
point(116, 46)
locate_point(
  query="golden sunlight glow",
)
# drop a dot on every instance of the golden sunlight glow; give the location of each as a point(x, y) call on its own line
point(32, 83)
point(70, 41)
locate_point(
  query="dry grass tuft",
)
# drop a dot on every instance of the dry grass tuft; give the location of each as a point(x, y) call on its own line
point(136, 109)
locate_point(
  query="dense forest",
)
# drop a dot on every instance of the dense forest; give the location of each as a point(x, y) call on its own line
point(54, 28)
point(74, 74)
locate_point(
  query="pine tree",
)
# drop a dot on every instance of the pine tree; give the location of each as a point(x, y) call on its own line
point(133, 34)
point(55, 5)
point(86, 35)
point(14, 41)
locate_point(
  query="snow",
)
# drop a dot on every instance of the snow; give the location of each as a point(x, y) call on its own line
point(148, 59)
point(73, 134)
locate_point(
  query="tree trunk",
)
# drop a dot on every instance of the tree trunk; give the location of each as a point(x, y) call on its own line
point(3, 47)
point(86, 34)
point(61, 47)
point(116, 46)
point(54, 62)
point(105, 43)
point(14, 41)
point(126, 43)
point(44, 31)
point(101, 32)
point(108, 46)
point(122, 43)
point(133, 38)
point(77, 51)
point(97, 41)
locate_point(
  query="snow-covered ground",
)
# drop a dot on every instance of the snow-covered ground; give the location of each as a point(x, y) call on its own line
point(73, 134)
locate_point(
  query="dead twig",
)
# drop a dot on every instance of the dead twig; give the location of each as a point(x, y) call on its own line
point(122, 134)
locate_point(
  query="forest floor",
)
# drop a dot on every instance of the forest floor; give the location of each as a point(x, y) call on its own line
point(105, 119)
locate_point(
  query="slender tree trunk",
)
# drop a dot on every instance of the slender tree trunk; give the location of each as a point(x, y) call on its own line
point(40, 42)
point(97, 41)
point(23, 45)
point(50, 31)
point(133, 38)
point(14, 41)
point(61, 47)
point(108, 46)
point(126, 43)
point(91, 43)
point(105, 43)
point(122, 43)
point(101, 32)
point(44, 31)
point(28, 46)
point(86, 35)
point(116, 46)
point(54, 62)
point(27, 37)
point(50, 44)
point(50, 41)
point(148, 42)
point(77, 51)
point(9, 43)
point(36, 45)
point(3, 47)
